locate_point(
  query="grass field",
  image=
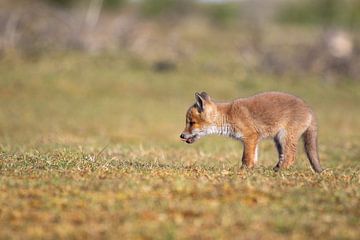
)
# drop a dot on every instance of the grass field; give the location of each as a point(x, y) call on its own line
point(90, 149)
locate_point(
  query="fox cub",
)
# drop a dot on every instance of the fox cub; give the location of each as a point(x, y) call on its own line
point(281, 116)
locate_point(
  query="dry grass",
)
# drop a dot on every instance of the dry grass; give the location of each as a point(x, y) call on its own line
point(89, 149)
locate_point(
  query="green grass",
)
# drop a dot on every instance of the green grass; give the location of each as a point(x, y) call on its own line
point(90, 149)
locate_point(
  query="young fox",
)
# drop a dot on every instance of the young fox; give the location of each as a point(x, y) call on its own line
point(281, 116)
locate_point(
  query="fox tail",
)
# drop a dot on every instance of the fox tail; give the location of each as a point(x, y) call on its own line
point(311, 146)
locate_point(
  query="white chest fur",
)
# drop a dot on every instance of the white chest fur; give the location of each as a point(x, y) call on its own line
point(224, 130)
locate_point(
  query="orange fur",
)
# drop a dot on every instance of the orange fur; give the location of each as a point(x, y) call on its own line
point(281, 116)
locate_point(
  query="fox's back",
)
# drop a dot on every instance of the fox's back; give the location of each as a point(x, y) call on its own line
point(271, 111)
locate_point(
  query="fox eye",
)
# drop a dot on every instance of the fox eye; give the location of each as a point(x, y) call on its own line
point(192, 123)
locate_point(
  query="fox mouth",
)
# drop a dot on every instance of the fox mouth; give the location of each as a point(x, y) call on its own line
point(190, 140)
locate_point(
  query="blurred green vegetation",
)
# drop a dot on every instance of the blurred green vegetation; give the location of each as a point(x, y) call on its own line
point(62, 3)
point(111, 4)
point(325, 12)
point(152, 8)
point(220, 13)
point(321, 12)
point(115, 4)
point(223, 13)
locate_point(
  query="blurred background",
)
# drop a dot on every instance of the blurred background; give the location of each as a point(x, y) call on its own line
point(76, 71)
point(276, 36)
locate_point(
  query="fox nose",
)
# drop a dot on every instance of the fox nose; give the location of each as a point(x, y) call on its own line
point(182, 136)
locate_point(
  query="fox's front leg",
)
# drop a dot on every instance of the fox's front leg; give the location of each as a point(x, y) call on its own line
point(249, 157)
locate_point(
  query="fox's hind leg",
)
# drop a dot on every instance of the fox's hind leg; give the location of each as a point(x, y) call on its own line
point(289, 152)
point(286, 146)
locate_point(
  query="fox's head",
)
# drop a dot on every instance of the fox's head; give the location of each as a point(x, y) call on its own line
point(200, 118)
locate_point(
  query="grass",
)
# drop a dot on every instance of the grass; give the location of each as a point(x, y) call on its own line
point(90, 149)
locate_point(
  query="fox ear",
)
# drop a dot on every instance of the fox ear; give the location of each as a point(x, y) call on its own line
point(200, 102)
point(205, 96)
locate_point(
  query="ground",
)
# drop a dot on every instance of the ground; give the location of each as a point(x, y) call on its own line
point(90, 148)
